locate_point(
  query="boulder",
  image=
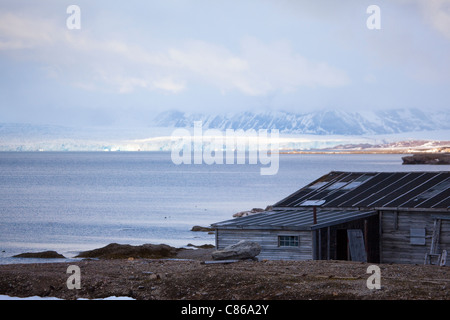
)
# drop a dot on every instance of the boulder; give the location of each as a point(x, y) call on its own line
point(125, 251)
point(40, 255)
point(248, 213)
point(242, 250)
point(202, 229)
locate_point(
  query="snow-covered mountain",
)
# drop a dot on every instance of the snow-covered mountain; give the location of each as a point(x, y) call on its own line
point(298, 131)
point(324, 122)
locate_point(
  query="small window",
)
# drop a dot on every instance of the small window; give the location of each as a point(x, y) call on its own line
point(318, 185)
point(417, 236)
point(337, 185)
point(288, 241)
point(313, 203)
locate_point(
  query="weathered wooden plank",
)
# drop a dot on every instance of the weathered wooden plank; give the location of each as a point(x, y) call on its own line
point(435, 237)
point(219, 261)
point(356, 245)
point(396, 244)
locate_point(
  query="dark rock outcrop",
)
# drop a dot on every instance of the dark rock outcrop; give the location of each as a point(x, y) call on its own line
point(125, 251)
point(427, 158)
point(41, 255)
point(202, 229)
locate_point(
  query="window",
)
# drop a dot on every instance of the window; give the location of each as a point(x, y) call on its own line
point(288, 241)
point(313, 203)
point(337, 185)
point(318, 185)
point(417, 236)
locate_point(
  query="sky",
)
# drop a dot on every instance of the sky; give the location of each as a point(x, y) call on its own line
point(130, 60)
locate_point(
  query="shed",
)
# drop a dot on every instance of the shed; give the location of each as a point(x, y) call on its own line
point(380, 217)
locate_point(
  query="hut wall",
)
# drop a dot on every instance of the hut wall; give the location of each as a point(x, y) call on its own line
point(269, 242)
point(399, 244)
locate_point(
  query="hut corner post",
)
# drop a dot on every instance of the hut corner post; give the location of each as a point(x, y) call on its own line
point(314, 215)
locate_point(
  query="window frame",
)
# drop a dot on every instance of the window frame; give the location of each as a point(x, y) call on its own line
point(288, 241)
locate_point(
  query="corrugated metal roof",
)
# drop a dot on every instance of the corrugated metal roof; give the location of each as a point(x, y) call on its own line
point(345, 196)
point(374, 190)
point(294, 219)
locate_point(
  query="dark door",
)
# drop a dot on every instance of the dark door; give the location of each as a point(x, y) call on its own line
point(341, 244)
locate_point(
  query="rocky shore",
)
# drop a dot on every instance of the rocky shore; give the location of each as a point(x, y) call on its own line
point(427, 158)
point(186, 276)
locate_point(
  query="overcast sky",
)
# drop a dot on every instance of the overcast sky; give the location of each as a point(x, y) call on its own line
point(132, 59)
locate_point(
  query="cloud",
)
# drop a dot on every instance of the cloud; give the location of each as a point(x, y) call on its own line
point(22, 32)
point(209, 63)
point(437, 12)
point(258, 68)
point(169, 84)
point(275, 66)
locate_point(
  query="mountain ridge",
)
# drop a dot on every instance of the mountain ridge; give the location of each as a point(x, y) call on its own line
point(322, 122)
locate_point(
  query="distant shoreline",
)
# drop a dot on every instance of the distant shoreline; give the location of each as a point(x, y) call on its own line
point(408, 158)
point(346, 152)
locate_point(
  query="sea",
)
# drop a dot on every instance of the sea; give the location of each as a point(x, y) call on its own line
point(76, 201)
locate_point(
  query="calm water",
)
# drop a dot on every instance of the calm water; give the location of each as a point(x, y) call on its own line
point(70, 202)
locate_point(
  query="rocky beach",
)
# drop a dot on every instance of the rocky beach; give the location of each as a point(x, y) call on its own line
point(192, 274)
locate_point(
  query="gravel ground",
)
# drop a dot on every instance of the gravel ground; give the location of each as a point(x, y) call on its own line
point(189, 278)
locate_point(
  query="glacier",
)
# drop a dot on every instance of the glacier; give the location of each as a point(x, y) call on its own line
point(322, 129)
point(161, 139)
point(163, 143)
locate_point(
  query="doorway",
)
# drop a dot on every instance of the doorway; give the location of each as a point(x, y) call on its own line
point(341, 244)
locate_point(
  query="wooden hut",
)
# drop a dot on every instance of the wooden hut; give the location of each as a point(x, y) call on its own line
point(380, 217)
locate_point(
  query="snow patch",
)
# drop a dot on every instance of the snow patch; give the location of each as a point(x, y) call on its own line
point(5, 297)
